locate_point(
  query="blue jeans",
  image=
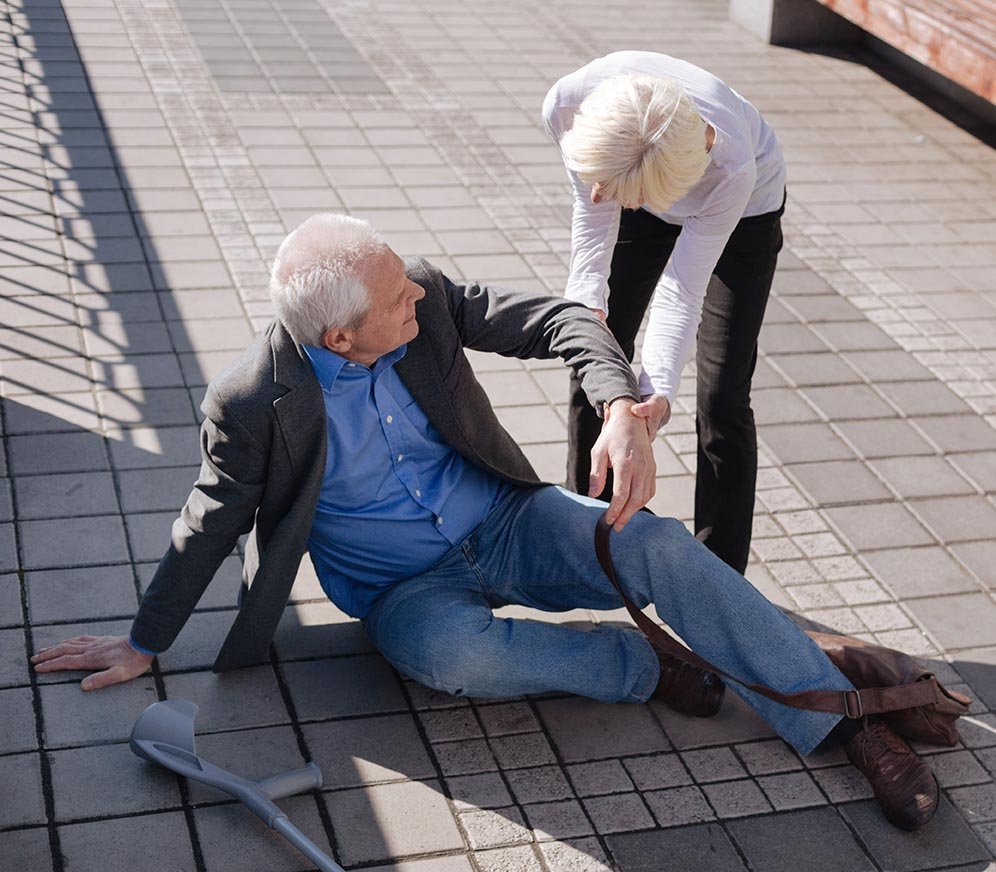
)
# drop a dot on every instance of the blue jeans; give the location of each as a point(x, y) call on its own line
point(536, 549)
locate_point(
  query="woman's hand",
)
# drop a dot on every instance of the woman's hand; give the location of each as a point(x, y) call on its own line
point(601, 314)
point(113, 656)
point(655, 410)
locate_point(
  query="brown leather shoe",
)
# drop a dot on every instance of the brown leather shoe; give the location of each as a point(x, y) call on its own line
point(904, 786)
point(688, 689)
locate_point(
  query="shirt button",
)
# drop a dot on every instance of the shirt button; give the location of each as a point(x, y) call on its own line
point(418, 493)
point(401, 457)
point(351, 365)
point(390, 419)
point(439, 521)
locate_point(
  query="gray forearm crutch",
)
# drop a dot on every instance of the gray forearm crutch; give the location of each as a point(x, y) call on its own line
point(164, 734)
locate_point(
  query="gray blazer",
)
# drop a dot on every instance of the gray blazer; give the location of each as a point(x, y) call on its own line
point(264, 447)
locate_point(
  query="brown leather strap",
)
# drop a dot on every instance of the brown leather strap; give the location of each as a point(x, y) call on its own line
point(853, 703)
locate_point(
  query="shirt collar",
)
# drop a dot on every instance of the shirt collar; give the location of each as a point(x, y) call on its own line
point(328, 365)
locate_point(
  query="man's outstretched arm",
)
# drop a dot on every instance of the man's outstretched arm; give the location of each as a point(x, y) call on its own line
point(220, 508)
point(528, 325)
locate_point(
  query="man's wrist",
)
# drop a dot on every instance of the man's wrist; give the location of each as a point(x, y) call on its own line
point(140, 649)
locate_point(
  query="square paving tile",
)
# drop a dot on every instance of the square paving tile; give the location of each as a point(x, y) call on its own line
point(735, 722)
point(801, 443)
point(957, 621)
point(894, 365)
point(487, 790)
point(618, 813)
point(343, 686)
point(392, 820)
point(17, 721)
point(923, 398)
point(886, 525)
point(954, 433)
point(959, 519)
point(914, 572)
point(800, 840)
point(366, 750)
point(980, 557)
point(945, 841)
point(559, 820)
point(585, 730)
point(809, 370)
point(845, 402)
point(736, 798)
point(839, 481)
point(232, 840)
point(73, 542)
point(25, 849)
point(689, 849)
point(24, 803)
point(921, 476)
point(111, 844)
point(978, 668)
point(13, 658)
point(244, 698)
point(884, 438)
point(107, 780)
point(87, 593)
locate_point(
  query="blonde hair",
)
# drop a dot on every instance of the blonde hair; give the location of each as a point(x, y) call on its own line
point(640, 139)
point(316, 281)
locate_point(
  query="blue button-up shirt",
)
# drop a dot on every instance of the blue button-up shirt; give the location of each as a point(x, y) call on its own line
point(395, 497)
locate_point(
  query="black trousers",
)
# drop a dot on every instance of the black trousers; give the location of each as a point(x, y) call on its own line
point(726, 355)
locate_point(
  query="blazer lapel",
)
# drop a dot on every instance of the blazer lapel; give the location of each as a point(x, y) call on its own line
point(300, 412)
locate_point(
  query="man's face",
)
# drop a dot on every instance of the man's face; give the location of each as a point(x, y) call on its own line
point(390, 322)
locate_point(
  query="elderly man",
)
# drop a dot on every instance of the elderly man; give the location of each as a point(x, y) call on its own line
point(354, 429)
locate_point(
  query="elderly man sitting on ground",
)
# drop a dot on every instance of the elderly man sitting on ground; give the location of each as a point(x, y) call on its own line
point(354, 429)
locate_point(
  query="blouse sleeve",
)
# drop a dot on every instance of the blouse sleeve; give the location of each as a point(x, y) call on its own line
point(676, 308)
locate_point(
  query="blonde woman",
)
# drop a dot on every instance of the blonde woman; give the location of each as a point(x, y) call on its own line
point(679, 187)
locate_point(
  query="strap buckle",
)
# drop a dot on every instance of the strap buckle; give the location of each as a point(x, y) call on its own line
point(854, 711)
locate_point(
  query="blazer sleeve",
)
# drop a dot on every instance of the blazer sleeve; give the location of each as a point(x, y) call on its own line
point(221, 507)
point(528, 325)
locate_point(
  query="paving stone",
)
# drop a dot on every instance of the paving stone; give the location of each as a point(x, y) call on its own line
point(528, 749)
point(689, 849)
point(878, 526)
point(921, 476)
point(979, 466)
point(980, 557)
point(13, 658)
point(231, 840)
point(780, 406)
point(810, 370)
point(412, 818)
point(539, 784)
point(736, 798)
point(8, 548)
point(436, 864)
point(888, 365)
point(505, 718)
point(802, 443)
point(111, 844)
point(17, 721)
point(492, 829)
point(508, 860)
point(884, 438)
point(449, 724)
point(957, 621)
point(478, 791)
point(945, 841)
point(73, 542)
point(465, 758)
point(842, 783)
point(620, 812)
point(977, 668)
point(344, 686)
point(575, 855)
point(10, 601)
point(24, 803)
point(712, 764)
point(957, 519)
point(108, 780)
point(56, 452)
point(792, 790)
point(953, 433)
point(657, 771)
point(585, 730)
point(914, 572)
point(244, 698)
point(307, 629)
point(252, 753)
point(799, 840)
point(26, 849)
point(957, 768)
point(790, 339)
point(50, 496)
point(735, 722)
point(595, 779)
point(922, 398)
point(844, 402)
point(366, 750)
point(557, 820)
point(679, 806)
point(976, 803)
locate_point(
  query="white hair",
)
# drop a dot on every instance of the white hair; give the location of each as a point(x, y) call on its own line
point(316, 282)
point(640, 139)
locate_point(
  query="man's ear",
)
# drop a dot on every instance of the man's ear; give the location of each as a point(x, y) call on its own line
point(338, 339)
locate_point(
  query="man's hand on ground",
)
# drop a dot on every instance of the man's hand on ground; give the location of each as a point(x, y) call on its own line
point(624, 446)
point(655, 410)
point(113, 656)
